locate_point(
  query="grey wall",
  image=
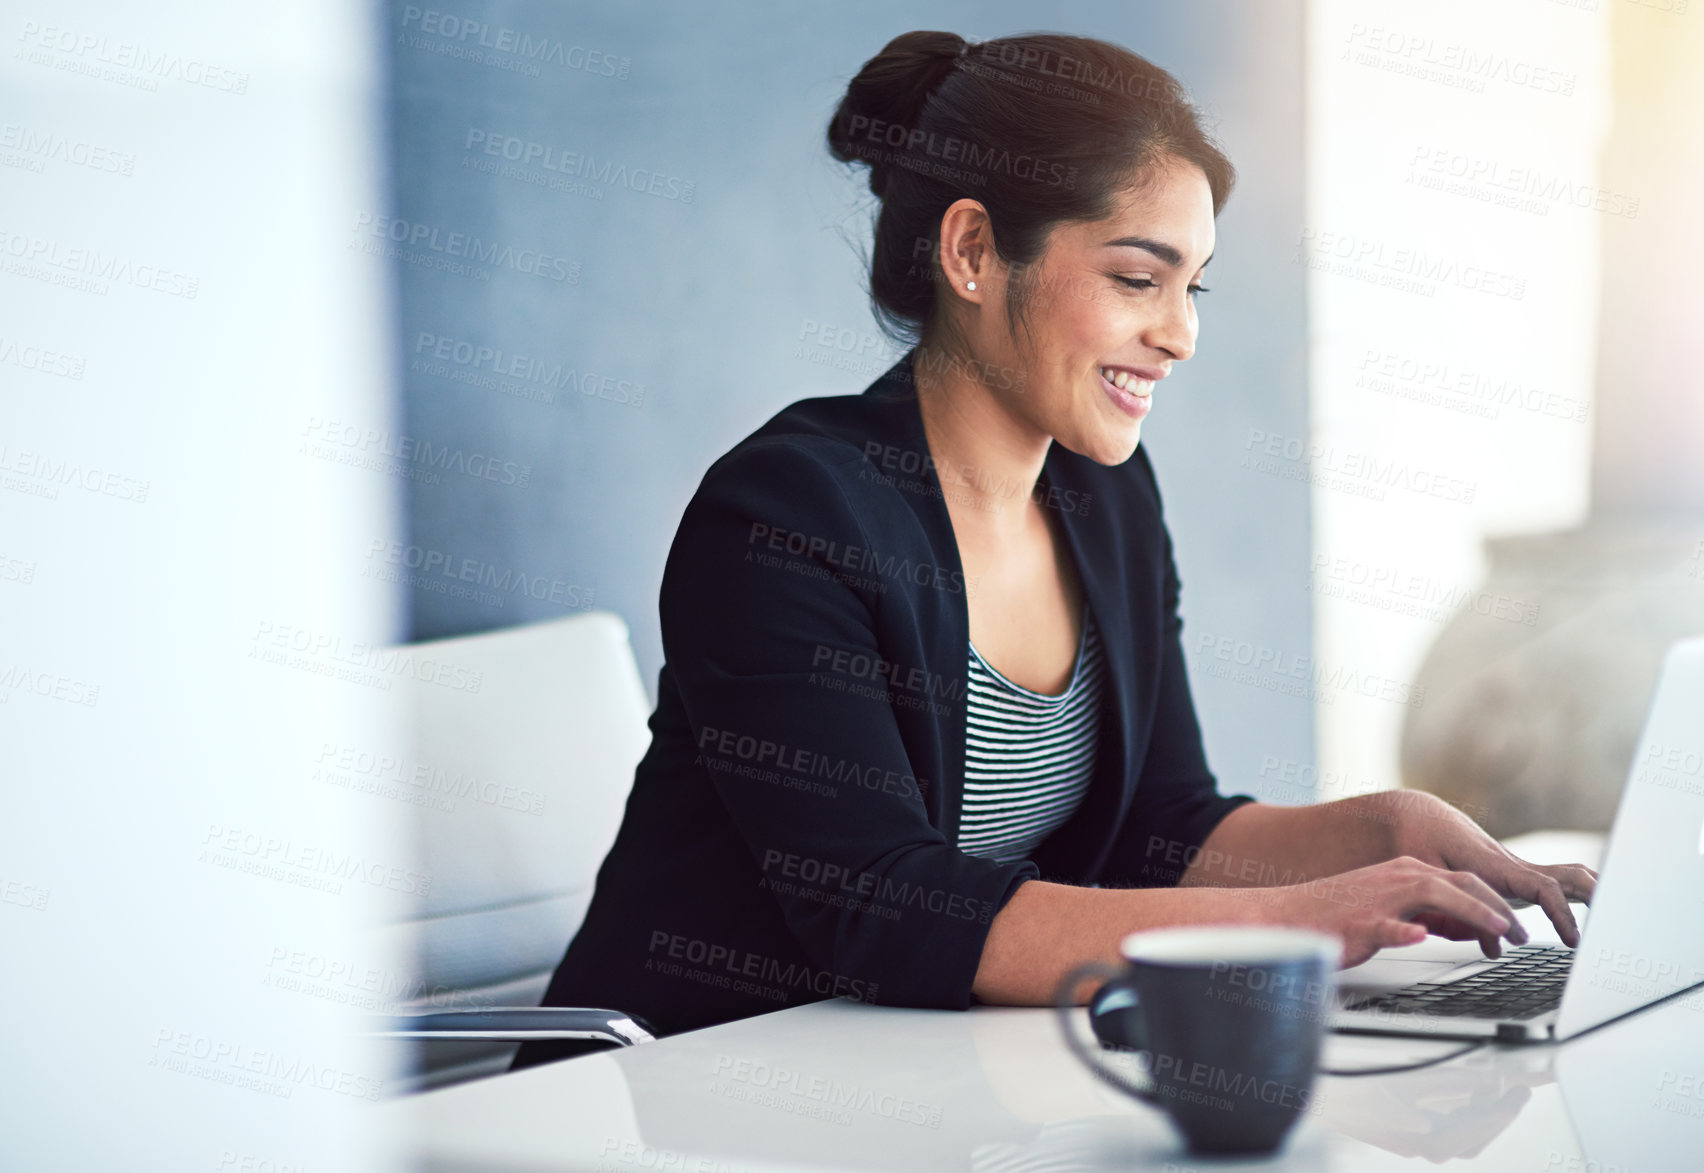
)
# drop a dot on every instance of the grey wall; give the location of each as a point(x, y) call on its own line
point(680, 316)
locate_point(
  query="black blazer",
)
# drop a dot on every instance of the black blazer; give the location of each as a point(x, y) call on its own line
point(790, 832)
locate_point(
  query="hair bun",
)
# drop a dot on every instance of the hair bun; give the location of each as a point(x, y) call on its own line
point(1039, 129)
point(891, 90)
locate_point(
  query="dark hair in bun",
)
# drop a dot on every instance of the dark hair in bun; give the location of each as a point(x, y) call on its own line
point(1040, 129)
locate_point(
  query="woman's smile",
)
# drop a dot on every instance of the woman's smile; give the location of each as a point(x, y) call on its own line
point(1131, 389)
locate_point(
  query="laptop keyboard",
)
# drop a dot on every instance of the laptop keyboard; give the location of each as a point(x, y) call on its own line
point(1524, 983)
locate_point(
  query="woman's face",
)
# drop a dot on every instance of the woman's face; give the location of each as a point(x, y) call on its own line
point(1111, 309)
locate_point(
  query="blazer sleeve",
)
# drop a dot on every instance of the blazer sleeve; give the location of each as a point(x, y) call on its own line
point(1177, 801)
point(761, 578)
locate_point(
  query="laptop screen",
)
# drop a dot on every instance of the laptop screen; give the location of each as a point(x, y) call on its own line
point(1644, 936)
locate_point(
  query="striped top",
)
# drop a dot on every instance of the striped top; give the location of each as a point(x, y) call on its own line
point(1028, 756)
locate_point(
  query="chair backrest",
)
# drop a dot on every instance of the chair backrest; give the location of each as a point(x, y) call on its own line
point(524, 746)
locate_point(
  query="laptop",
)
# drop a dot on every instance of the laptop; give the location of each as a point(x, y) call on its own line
point(1643, 937)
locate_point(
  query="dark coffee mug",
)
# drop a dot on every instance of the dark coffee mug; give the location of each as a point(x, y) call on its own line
point(1230, 1021)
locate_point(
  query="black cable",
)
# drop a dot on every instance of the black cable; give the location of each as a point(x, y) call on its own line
point(1444, 1058)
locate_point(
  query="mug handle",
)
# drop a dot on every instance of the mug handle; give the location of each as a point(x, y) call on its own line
point(1064, 1005)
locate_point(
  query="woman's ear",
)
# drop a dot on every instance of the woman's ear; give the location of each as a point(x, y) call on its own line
point(969, 263)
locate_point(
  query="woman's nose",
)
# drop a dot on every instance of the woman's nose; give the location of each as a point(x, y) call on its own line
point(1173, 331)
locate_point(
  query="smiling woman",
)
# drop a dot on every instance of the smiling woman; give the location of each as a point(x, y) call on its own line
point(922, 644)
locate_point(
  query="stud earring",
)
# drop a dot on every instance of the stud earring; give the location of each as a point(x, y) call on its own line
point(970, 285)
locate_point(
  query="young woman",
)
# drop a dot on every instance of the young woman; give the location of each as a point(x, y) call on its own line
point(924, 733)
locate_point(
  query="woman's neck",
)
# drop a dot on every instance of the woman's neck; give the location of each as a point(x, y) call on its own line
point(987, 456)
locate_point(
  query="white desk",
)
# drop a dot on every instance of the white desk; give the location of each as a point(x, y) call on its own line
point(993, 1089)
point(878, 1088)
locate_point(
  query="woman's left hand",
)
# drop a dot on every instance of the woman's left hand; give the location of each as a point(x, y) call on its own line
point(1431, 830)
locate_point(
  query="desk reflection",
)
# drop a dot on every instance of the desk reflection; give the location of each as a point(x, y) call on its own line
point(1439, 1113)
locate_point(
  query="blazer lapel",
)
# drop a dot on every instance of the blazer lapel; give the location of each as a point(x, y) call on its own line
point(943, 616)
point(1090, 519)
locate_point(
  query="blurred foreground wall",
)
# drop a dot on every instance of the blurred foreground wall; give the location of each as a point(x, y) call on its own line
point(192, 360)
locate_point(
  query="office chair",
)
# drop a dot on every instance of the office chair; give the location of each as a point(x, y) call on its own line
point(524, 745)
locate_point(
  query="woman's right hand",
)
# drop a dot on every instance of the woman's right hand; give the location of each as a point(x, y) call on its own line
point(1397, 902)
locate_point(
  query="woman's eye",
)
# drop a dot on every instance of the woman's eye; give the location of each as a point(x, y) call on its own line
point(1148, 283)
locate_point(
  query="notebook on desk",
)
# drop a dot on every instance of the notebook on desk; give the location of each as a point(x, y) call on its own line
point(1642, 941)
